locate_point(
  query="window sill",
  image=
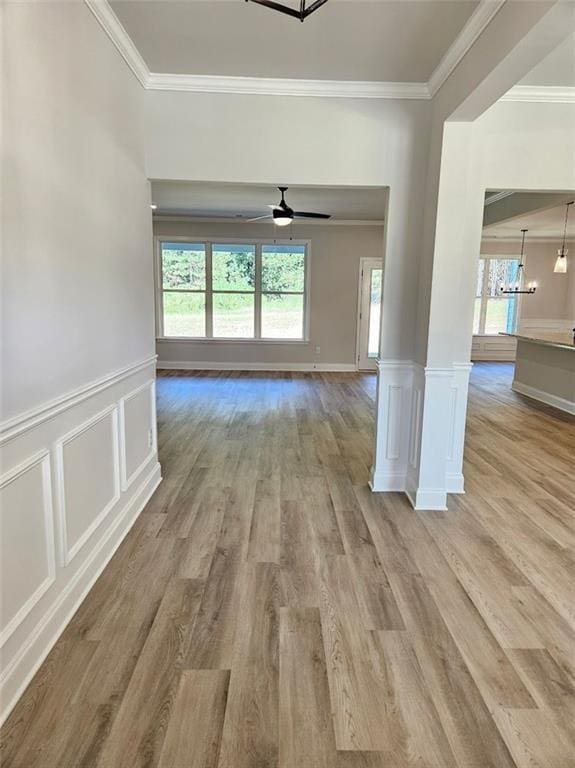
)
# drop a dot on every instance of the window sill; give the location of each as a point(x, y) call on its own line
point(191, 340)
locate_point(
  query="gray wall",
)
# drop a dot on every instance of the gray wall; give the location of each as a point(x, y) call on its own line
point(77, 284)
point(335, 254)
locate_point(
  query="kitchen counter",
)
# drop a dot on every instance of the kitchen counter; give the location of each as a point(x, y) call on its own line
point(545, 368)
point(563, 340)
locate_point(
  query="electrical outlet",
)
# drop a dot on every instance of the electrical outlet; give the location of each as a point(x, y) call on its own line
point(318, 350)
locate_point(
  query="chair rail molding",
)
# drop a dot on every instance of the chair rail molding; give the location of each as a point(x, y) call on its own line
point(22, 422)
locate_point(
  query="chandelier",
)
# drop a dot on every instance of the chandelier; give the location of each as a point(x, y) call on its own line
point(301, 14)
point(519, 277)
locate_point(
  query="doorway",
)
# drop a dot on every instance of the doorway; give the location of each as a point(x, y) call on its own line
point(369, 313)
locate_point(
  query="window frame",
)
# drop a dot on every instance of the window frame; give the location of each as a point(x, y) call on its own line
point(208, 243)
point(484, 296)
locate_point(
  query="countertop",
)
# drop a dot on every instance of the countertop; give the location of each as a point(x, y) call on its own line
point(561, 340)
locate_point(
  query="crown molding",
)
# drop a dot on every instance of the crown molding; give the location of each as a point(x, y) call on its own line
point(112, 26)
point(497, 197)
point(532, 239)
point(479, 19)
point(186, 218)
point(275, 86)
point(549, 94)
point(349, 89)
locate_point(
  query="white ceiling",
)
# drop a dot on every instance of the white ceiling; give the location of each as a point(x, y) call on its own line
point(558, 68)
point(215, 200)
point(546, 224)
point(372, 40)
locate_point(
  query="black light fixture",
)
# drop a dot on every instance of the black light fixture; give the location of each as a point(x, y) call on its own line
point(301, 14)
point(518, 287)
point(561, 263)
point(282, 214)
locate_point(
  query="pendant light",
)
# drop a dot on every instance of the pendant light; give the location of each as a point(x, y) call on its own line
point(561, 263)
point(519, 278)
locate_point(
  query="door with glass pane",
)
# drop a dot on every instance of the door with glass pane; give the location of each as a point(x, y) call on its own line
point(370, 282)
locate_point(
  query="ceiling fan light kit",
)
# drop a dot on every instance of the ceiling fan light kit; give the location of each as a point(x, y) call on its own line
point(305, 9)
point(561, 263)
point(282, 214)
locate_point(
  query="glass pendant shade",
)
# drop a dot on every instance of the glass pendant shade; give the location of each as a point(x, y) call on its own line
point(561, 263)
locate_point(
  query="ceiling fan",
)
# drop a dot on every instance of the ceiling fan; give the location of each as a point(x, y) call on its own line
point(282, 214)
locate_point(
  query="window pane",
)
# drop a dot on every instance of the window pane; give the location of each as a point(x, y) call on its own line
point(184, 265)
point(476, 315)
point(282, 316)
point(500, 315)
point(184, 314)
point(374, 313)
point(501, 272)
point(283, 268)
point(480, 273)
point(233, 267)
point(233, 315)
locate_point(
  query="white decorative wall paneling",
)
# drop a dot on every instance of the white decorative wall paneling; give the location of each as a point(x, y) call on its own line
point(26, 519)
point(90, 457)
point(138, 432)
point(88, 479)
point(414, 398)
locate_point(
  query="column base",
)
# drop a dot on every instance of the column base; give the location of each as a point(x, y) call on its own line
point(428, 500)
point(420, 432)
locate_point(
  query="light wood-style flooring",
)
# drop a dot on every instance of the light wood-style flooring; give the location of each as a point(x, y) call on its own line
point(268, 611)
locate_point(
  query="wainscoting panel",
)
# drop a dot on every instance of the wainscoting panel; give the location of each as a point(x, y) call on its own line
point(76, 473)
point(137, 431)
point(420, 431)
point(26, 522)
point(88, 479)
point(394, 397)
point(493, 348)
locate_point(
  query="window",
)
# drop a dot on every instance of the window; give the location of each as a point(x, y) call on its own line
point(495, 312)
point(216, 290)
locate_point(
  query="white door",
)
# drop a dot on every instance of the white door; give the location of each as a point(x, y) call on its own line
point(370, 282)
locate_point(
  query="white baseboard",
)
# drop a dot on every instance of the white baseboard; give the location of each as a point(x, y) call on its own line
point(194, 365)
point(454, 482)
point(544, 397)
point(382, 482)
point(23, 667)
point(428, 500)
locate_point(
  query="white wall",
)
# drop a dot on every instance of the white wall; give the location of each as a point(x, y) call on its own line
point(335, 253)
point(336, 142)
point(520, 146)
point(78, 438)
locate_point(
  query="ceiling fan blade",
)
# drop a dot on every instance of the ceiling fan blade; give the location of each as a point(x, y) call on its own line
point(259, 218)
point(305, 215)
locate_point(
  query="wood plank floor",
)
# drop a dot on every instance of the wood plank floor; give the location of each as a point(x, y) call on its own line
point(268, 611)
